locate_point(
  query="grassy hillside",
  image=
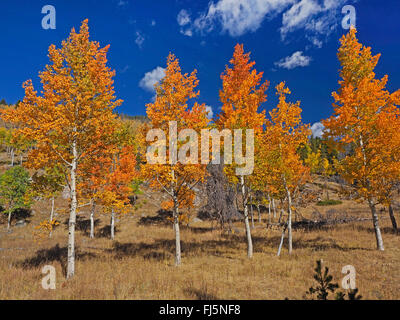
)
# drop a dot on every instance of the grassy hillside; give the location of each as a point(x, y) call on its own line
point(139, 263)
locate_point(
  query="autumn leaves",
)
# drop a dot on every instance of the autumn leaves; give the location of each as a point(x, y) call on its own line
point(75, 130)
point(366, 117)
point(79, 142)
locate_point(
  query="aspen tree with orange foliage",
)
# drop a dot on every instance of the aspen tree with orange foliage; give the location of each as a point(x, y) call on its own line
point(364, 113)
point(280, 166)
point(242, 95)
point(170, 118)
point(72, 117)
point(117, 185)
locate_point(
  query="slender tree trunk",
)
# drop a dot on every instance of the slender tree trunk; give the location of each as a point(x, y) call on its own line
point(51, 215)
point(375, 219)
point(178, 253)
point(9, 219)
point(92, 210)
point(274, 207)
point(251, 212)
point(392, 218)
point(20, 159)
point(282, 238)
point(246, 221)
point(259, 212)
point(112, 224)
point(72, 216)
point(290, 240)
point(289, 223)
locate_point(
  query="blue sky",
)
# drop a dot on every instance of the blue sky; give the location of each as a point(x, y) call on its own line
point(291, 40)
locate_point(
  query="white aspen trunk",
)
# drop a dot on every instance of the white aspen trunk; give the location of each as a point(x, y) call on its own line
point(178, 253)
point(72, 216)
point(112, 224)
point(51, 215)
point(282, 238)
point(274, 207)
point(9, 219)
point(289, 223)
point(290, 240)
point(246, 221)
point(177, 233)
point(372, 206)
point(375, 219)
point(20, 159)
point(92, 210)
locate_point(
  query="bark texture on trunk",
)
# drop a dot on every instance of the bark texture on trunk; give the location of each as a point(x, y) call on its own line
point(112, 224)
point(177, 234)
point(72, 217)
point(246, 221)
point(375, 219)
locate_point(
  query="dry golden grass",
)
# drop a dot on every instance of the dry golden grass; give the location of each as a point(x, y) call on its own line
point(139, 264)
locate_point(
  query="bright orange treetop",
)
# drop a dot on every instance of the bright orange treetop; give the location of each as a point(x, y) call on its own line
point(242, 94)
point(171, 104)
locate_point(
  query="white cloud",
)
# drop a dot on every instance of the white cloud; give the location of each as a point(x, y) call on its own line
point(317, 129)
point(139, 40)
point(151, 78)
point(298, 15)
point(187, 32)
point(295, 60)
point(317, 17)
point(238, 16)
point(183, 18)
point(210, 112)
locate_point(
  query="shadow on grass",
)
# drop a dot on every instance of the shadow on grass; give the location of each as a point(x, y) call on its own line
point(384, 230)
point(17, 214)
point(105, 232)
point(165, 248)
point(200, 294)
point(160, 219)
point(54, 254)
